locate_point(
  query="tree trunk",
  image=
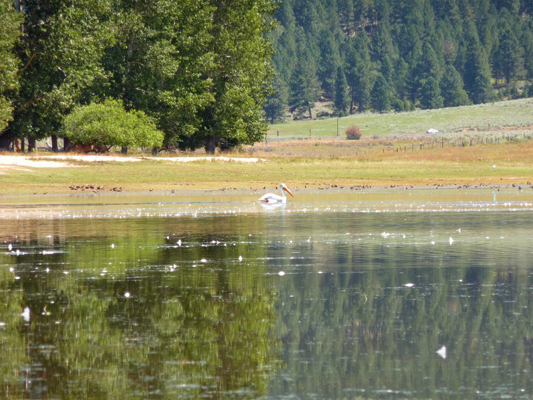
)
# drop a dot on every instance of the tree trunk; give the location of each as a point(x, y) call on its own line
point(124, 150)
point(5, 142)
point(155, 151)
point(54, 143)
point(67, 144)
point(210, 145)
point(31, 145)
point(22, 145)
point(310, 114)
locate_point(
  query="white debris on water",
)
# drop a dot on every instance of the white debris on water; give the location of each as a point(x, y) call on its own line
point(442, 352)
point(26, 314)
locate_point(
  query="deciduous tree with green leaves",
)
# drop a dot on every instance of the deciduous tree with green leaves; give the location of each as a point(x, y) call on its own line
point(109, 124)
point(161, 61)
point(60, 52)
point(9, 34)
point(241, 78)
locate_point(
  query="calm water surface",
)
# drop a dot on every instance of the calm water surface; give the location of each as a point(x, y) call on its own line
point(377, 295)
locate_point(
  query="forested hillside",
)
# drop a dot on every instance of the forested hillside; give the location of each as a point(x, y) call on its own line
point(383, 54)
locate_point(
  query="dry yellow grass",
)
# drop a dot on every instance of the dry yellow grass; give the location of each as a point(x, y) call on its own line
point(297, 163)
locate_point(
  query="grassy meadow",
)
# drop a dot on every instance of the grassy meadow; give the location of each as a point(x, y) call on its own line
point(397, 153)
point(500, 115)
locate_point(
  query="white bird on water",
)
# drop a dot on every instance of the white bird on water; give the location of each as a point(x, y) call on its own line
point(274, 198)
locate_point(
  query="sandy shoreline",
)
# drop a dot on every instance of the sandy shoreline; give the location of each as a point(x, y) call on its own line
point(22, 163)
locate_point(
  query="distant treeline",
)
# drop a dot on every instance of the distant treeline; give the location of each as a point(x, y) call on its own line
point(383, 54)
point(199, 69)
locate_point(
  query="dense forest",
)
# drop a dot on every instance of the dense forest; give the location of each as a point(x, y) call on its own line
point(211, 73)
point(199, 69)
point(395, 54)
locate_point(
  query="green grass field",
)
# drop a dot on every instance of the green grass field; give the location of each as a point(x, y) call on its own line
point(398, 155)
point(513, 113)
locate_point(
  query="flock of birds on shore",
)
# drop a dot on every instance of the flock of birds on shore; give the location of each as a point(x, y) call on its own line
point(274, 198)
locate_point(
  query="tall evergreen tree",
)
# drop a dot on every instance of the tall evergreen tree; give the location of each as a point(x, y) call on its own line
point(382, 44)
point(483, 90)
point(342, 97)
point(381, 98)
point(284, 41)
point(527, 41)
point(362, 85)
point(477, 72)
point(509, 55)
point(452, 90)
point(430, 96)
point(346, 17)
point(362, 81)
point(276, 104)
point(400, 78)
point(430, 66)
point(304, 85)
point(328, 63)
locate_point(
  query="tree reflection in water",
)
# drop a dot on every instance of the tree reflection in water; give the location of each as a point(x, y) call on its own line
point(195, 307)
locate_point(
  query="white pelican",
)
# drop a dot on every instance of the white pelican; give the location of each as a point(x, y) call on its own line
point(274, 198)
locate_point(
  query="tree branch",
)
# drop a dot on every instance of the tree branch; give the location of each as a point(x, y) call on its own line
point(28, 64)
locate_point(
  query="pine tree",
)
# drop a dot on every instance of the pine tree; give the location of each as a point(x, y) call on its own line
point(329, 60)
point(304, 85)
point(483, 91)
point(429, 64)
point(476, 69)
point(276, 105)
point(342, 97)
point(509, 55)
point(362, 83)
point(345, 8)
point(382, 44)
point(284, 41)
point(527, 41)
point(430, 96)
point(400, 78)
point(452, 90)
point(362, 86)
point(381, 99)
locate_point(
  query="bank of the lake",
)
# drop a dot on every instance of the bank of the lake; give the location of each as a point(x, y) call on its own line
point(323, 163)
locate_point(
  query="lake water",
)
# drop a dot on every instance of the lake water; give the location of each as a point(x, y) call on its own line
point(381, 294)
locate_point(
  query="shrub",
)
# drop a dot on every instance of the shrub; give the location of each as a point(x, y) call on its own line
point(399, 105)
point(108, 124)
point(353, 132)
